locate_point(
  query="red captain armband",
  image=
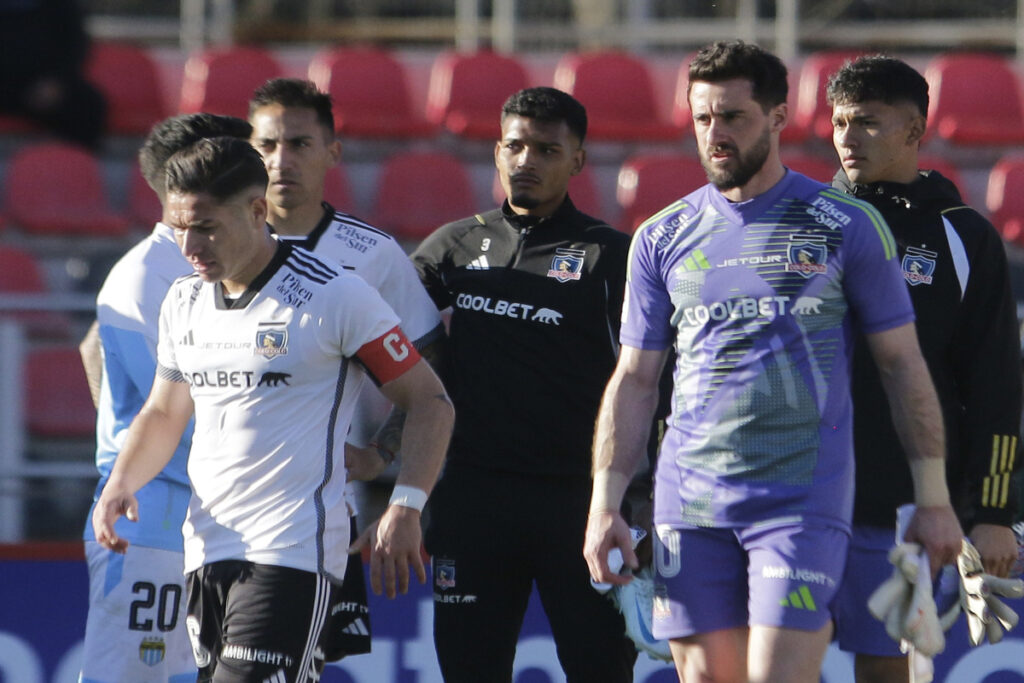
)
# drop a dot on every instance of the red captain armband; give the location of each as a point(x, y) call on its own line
point(388, 356)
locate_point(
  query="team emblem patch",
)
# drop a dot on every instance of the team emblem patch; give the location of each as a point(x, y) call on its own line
point(271, 340)
point(152, 651)
point(807, 255)
point(444, 574)
point(918, 266)
point(567, 264)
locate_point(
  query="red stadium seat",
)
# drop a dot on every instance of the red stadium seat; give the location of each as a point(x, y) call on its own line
point(20, 274)
point(57, 189)
point(617, 90)
point(1005, 198)
point(809, 112)
point(130, 80)
point(815, 167)
point(650, 182)
point(58, 403)
point(467, 91)
point(370, 92)
point(417, 192)
point(975, 100)
point(222, 80)
point(582, 191)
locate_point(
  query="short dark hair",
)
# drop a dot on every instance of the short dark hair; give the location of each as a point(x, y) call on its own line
point(881, 78)
point(221, 167)
point(294, 92)
point(726, 60)
point(548, 104)
point(178, 132)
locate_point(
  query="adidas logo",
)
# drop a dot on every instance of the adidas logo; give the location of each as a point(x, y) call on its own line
point(479, 263)
point(277, 677)
point(187, 340)
point(356, 628)
point(800, 599)
point(695, 261)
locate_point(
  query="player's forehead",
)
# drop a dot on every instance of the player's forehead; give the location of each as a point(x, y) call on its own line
point(182, 209)
point(530, 130)
point(735, 94)
point(276, 122)
point(873, 109)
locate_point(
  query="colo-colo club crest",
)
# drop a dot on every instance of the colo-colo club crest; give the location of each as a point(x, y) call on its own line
point(567, 264)
point(807, 255)
point(918, 266)
point(271, 340)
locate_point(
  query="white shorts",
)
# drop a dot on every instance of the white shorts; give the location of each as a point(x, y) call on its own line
point(136, 625)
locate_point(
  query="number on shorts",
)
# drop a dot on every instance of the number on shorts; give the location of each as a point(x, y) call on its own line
point(666, 552)
point(169, 599)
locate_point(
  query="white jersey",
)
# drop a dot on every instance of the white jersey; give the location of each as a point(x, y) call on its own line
point(274, 387)
point(376, 257)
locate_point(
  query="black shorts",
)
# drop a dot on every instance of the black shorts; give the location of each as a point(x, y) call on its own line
point(348, 626)
point(253, 622)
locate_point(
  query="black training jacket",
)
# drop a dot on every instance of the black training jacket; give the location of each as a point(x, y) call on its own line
point(534, 334)
point(956, 271)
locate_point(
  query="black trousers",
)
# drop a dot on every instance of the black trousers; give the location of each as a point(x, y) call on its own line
point(493, 536)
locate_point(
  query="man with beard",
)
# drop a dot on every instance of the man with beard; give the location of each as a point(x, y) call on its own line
point(754, 484)
point(536, 292)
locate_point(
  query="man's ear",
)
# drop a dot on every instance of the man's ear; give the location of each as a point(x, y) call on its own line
point(916, 129)
point(580, 158)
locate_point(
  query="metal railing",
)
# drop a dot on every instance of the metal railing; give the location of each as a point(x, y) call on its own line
point(792, 28)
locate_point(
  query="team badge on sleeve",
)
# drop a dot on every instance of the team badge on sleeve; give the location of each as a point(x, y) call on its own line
point(271, 340)
point(807, 254)
point(567, 264)
point(918, 266)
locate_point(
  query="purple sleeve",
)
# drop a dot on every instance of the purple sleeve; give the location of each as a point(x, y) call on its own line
point(873, 279)
point(647, 308)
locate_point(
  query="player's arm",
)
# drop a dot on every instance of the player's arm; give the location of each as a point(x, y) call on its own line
point(988, 381)
point(918, 420)
point(366, 464)
point(409, 383)
point(92, 360)
point(152, 439)
point(620, 443)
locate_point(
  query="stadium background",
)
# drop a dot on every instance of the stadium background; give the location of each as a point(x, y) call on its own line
point(66, 215)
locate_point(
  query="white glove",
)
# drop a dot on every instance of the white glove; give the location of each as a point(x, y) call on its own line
point(987, 615)
point(904, 602)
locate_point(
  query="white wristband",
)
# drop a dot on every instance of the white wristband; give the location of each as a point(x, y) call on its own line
point(408, 496)
point(930, 487)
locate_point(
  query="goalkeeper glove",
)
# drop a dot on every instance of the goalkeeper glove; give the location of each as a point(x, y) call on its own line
point(987, 615)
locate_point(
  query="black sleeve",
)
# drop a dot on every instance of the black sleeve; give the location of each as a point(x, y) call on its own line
point(988, 374)
point(431, 259)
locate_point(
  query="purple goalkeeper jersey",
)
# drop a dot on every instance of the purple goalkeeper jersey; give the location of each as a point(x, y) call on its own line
point(760, 298)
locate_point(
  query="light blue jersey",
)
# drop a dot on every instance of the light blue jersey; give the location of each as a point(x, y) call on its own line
point(128, 312)
point(759, 299)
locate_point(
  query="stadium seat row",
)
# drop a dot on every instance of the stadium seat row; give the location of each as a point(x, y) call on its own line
point(58, 189)
point(975, 97)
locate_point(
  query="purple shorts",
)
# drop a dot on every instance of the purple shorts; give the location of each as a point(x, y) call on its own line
point(712, 579)
point(867, 566)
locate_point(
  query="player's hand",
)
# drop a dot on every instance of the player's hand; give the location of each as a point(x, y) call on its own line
point(363, 464)
point(394, 542)
point(997, 546)
point(111, 505)
point(606, 530)
point(936, 529)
